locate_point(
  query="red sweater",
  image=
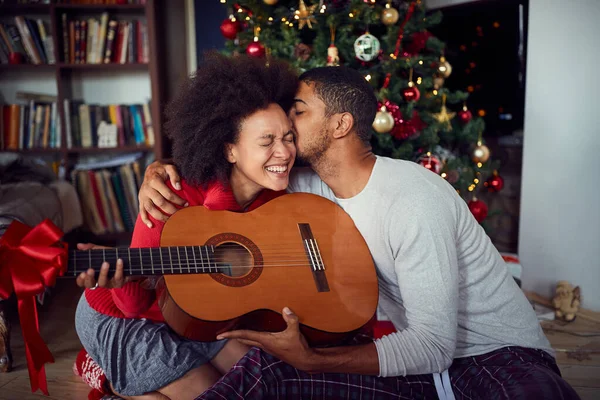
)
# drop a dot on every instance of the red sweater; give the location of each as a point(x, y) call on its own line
point(132, 300)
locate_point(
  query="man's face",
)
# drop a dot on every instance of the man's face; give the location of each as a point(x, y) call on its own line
point(310, 124)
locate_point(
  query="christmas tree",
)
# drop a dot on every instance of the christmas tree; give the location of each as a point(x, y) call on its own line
point(389, 42)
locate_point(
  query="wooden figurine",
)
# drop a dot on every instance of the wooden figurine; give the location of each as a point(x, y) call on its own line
point(566, 301)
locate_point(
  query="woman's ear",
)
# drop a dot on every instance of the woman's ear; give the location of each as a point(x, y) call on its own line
point(230, 153)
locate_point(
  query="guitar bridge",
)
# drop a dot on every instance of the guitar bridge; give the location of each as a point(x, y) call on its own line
point(313, 254)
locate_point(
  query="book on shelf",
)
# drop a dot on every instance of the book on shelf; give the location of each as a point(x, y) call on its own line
point(104, 40)
point(86, 124)
point(32, 124)
point(28, 37)
point(109, 196)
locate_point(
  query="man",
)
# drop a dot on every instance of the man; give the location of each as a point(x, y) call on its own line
point(464, 328)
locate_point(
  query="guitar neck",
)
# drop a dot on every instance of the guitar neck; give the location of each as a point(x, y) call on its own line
point(173, 260)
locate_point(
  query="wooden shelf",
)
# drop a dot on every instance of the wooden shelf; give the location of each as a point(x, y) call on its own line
point(104, 67)
point(27, 67)
point(24, 8)
point(121, 149)
point(33, 151)
point(112, 7)
point(68, 76)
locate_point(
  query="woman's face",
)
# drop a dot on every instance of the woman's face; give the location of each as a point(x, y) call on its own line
point(265, 151)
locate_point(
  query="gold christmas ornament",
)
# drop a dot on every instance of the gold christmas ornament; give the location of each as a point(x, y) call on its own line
point(438, 81)
point(481, 153)
point(389, 16)
point(270, 2)
point(384, 121)
point(445, 69)
point(304, 15)
point(444, 116)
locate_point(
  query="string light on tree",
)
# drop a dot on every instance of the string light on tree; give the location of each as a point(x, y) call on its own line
point(367, 47)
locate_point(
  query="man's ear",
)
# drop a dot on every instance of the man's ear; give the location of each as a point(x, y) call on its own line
point(229, 153)
point(344, 123)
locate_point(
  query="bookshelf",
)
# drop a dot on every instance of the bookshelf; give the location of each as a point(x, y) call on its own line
point(67, 75)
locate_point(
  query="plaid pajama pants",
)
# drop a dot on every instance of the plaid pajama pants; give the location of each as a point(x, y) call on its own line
point(506, 373)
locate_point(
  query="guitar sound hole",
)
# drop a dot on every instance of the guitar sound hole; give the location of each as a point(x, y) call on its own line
point(233, 259)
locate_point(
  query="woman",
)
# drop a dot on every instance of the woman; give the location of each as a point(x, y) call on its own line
point(234, 145)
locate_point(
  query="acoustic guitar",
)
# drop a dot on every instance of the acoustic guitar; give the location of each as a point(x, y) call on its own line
point(224, 270)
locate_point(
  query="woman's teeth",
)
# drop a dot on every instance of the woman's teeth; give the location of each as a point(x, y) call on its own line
point(277, 169)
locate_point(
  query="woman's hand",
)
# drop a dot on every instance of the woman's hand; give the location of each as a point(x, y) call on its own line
point(88, 279)
point(154, 193)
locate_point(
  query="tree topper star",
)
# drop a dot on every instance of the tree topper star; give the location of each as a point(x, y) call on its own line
point(304, 15)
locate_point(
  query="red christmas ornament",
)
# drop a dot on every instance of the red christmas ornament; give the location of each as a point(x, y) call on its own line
point(403, 128)
point(255, 49)
point(417, 43)
point(230, 28)
point(495, 183)
point(411, 94)
point(430, 162)
point(479, 209)
point(465, 115)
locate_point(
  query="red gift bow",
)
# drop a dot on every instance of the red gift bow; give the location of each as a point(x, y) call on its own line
point(29, 262)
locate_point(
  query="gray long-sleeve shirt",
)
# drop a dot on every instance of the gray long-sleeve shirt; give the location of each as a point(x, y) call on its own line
point(442, 283)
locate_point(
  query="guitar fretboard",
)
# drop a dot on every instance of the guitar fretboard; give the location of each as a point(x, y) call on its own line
point(148, 261)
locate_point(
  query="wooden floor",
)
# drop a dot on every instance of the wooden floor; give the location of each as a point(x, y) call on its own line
point(577, 345)
point(58, 331)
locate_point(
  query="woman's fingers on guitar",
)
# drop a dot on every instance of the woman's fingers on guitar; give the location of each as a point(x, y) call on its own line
point(103, 276)
point(86, 279)
point(119, 279)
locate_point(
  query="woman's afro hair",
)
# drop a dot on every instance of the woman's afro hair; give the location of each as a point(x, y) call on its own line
point(209, 108)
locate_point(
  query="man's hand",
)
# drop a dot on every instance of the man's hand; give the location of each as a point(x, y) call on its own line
point(154, 193)
point(87, 279)
point(290, 346)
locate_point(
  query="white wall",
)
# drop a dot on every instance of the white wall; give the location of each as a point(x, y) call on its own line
point(559, 235)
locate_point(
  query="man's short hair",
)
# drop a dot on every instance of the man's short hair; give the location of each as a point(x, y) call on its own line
point(344, 89)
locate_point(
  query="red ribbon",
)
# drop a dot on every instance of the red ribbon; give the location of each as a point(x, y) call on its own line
point(409, 13)
point(30, 261)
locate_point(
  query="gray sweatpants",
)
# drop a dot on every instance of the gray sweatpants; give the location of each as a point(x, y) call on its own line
point(138, 356)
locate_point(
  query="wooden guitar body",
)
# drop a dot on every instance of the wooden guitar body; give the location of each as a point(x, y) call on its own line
point(299, 250)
